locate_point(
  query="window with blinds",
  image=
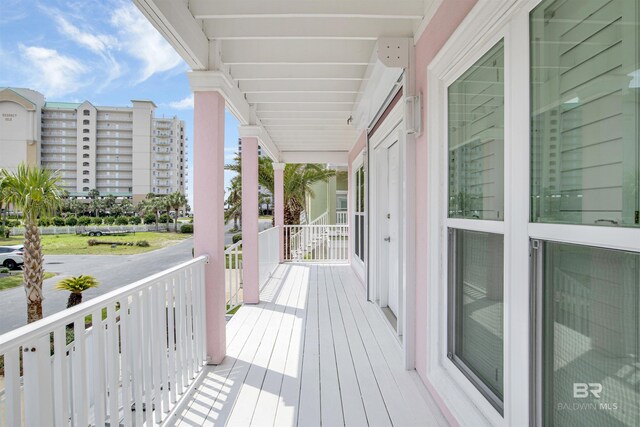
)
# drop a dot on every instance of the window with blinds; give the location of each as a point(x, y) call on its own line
point(585, 87)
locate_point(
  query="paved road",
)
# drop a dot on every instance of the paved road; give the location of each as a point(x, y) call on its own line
point(112, 271)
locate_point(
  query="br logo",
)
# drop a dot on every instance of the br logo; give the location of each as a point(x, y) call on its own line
point(583, 390)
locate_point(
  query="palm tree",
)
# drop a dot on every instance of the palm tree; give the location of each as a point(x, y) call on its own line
point(234, 202)
point(95, 202)
point(176, 201)
point(36, 193)
point(298, 179)
point(76, 285)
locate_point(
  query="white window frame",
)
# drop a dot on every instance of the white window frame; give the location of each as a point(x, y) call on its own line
point(486, 24)
point(358, 265)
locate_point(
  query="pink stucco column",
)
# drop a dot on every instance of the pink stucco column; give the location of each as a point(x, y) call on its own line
point(278, 202)
point(208, 194)
point(250, 229)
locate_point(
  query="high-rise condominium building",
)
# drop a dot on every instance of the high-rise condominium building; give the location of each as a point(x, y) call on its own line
point(123, 151)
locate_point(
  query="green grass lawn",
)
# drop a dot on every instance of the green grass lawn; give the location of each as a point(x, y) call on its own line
point(70, 244)
point(14, 280)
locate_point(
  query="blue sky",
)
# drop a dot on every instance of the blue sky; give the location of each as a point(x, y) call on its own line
point(103, 51)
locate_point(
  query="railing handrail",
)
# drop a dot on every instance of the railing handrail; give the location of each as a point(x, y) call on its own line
point(322, 219)
point(62, 318)
point(233, 247)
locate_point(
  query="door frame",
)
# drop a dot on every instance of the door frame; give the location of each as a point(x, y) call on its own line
point(393, 124)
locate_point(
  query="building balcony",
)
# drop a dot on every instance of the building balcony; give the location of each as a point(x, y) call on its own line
point(58, 133)
point(121, 175)
point(70, 158)
point(122, 158)
point(103, 142)
point(161, 158)
point(57, 150)
point(119, 128)
point(114, 133)
point(60, 125)
point(115, 168)
point(67, 116)
point(120, 151)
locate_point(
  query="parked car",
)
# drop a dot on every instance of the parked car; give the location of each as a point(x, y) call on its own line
point(11, 256)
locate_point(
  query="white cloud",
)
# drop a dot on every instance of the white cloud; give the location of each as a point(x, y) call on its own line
point(100, 44)
point(142, 41)
point(51, 72)
point(183, 104)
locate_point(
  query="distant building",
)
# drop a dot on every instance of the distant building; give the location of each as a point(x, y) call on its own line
point(123, 151)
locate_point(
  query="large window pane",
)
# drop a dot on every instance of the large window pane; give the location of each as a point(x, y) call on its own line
point(476, 293)
point(585, 94)
point(476, 139)
point(591, 337)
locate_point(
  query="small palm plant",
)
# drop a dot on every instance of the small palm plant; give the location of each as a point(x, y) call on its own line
point(76, 285)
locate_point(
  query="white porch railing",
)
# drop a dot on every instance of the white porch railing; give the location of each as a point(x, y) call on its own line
point(321, 220)
point(341, 217)
point(233, 275)
point(269, 258)
point(316, 243)
point(124, 357)
point(268, 253)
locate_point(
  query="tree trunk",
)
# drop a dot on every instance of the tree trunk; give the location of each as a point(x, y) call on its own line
point(291, 217)
point(75, 298)
point(175, 222)
point(33, 271)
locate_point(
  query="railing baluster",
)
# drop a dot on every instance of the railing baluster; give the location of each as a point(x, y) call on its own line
point(60, 383)
point(180, 360)
point(79, 372)
point(113, 368)
point(97, 350)
point(13, 412)
point(172, 338)
point(136, 358)
point(156, 352)
point(147, 367)
point(188, 325)
point(126, 359)
point(163, 306)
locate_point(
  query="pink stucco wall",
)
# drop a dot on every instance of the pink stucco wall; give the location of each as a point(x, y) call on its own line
point(442, 25)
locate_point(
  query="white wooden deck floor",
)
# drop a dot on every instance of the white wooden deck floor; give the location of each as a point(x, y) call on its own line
point(313, 353)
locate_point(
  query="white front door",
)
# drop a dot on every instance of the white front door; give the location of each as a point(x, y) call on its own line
point(392, 218)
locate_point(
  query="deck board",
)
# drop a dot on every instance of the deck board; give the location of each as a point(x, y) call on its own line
point(313, 352)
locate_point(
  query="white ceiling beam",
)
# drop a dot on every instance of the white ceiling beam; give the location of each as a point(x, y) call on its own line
point(355, 52)
point(302, 116)
point(335, 86)
point(340, 121)
point(307, 28)
point(177, 25)
point(299, 130)
point(229, 9)
point(316, 126)
point(319, 155)
point(297, 107)
point(300, 97)
point(298, 71)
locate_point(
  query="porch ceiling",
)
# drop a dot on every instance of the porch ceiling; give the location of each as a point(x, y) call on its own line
point(302, 66)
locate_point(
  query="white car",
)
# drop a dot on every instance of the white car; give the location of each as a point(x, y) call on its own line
point(11, 256)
